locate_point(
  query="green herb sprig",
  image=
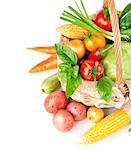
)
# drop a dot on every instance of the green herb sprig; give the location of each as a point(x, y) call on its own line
point(104, 87)
point(69, 70)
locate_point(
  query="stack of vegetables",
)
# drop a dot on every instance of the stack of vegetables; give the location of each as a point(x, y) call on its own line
point(86, 52)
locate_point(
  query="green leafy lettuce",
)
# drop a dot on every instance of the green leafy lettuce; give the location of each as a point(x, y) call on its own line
point(109, 62)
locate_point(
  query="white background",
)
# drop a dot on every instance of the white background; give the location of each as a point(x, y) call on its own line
point(24, 124)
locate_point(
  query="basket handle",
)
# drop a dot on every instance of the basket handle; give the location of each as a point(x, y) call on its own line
point(117, 39)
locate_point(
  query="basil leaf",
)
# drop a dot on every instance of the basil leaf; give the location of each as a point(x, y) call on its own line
point(63, 76)
point(72, 84)
point(65, 54)
point(64, 66)
point(104, 87)
point(75, 71)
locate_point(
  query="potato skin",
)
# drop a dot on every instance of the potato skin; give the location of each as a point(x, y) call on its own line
point(78, 110)
point(63, 120)
point(55, 101)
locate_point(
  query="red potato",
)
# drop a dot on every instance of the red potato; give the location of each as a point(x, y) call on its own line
point(55, 101)
point(63, 120)
point(77, 109)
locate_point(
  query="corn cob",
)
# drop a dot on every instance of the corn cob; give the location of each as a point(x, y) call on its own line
point(107, 126)
point(72, 31)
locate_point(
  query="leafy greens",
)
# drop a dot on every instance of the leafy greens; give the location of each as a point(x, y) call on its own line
point(69, 70)
point(109, 62)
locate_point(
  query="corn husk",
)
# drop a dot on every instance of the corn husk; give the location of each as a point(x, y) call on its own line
point(72, 31)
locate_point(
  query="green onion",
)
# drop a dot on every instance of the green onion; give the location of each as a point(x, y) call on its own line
point(80, 20)
point(77, 20)
point(78, 8)
point(82, 4)
point(89, 22)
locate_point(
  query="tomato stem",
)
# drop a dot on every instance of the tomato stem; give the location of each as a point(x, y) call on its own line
point(106, 12)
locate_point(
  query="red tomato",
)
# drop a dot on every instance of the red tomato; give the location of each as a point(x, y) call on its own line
point(97, 54)
point(91, 70)
point(103, 19)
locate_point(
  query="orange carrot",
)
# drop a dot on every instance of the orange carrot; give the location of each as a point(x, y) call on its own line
point(48, 64)
point(46, 49)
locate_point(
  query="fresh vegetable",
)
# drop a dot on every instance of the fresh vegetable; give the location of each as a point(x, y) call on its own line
point(78, 47)
point(72, 84)
point(127, 32)
point(99, 53)
point(66, 54)
point(106, 126)
point(83, 21)
point(45, 49)
point(50, 84)
point(94, 41)
point(125, 17)
point(109, 62)
point(103, 20)
point(95, 114)
point(72, 31)
point(91, 70)
point(104, 88)
point(125, 21)
point(77, 109)
point(69, 70)
point(55, 101)
point(48, 64)
point(125, 10)
point(63, 120)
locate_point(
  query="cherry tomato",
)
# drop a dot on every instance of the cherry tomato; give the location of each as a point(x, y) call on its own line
point(91, 70)
point(94, 41)
point(103, 19)
point(97, 54)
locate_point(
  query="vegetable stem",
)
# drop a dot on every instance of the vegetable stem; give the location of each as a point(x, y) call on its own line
point(82, 4)
point(106, 49)
point(84, 21)
point(79, 8)
point(69, 15)
point(89, 22)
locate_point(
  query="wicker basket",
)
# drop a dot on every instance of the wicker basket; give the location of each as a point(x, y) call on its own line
point(87, 93)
